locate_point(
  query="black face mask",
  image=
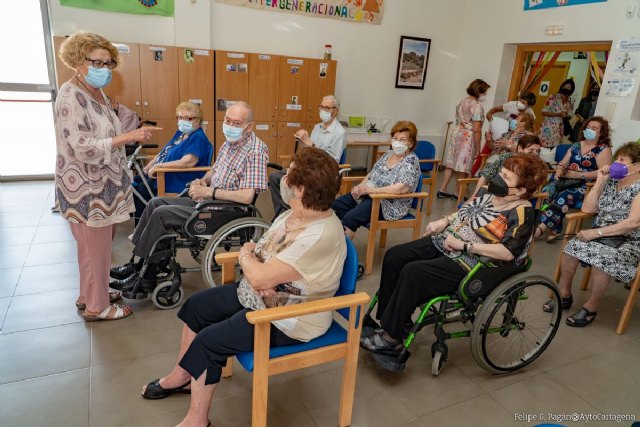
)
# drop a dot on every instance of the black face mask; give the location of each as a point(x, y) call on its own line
point(499, 187)
point(566, 92)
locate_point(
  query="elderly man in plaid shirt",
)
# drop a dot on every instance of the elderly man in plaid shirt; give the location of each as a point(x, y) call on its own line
point(239, 173)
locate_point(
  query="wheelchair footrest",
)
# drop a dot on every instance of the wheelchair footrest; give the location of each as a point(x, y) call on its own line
point(390, 362)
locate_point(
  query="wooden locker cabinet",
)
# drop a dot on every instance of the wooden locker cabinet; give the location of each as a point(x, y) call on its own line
point(196, 79)
point(220, 139)
point(231, 79)
point(159, 82)
point(125, 84)
point(268, 133)
point(293, 91)
point(286, 139)
point(322, 82)
point(263, 86)
point(209, 127)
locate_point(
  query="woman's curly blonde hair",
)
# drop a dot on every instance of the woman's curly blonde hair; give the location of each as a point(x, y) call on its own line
point(77, 47)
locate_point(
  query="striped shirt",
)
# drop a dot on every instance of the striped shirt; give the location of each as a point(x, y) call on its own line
point(242, 164)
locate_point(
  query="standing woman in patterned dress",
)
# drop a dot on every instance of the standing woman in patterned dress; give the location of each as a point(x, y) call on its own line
point(92, 184)
point(557, 108)
point(464, 145)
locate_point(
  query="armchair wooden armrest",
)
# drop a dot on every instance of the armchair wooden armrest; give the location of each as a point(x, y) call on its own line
point(573, 216)
point(467, 180)
point(311, 307)
point(421, 195)
point(434, 161)
point(160, 171)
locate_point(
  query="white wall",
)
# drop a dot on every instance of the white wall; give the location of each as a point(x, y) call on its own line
point(499, 24)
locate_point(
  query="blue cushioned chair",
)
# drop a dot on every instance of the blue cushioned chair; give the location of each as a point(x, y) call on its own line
point(426, 152)
point(337, 343)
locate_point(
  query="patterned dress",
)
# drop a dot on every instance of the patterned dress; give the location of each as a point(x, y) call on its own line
point(552, 128)
point(621, 262)
point(460, 150)
point(406, 172)
point(559, 203)
point(92, 184)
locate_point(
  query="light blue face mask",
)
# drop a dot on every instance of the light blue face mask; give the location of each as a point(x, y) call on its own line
point(185, 126)
point(231, 133)
point(589, 134)
point(512, 124)
point(98, 77)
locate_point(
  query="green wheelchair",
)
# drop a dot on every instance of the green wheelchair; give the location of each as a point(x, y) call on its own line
point(501, 309)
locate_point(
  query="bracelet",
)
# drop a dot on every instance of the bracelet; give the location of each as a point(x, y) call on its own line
point(243, 254)
point(213, 194)
point(469, 248)
point(465, 248)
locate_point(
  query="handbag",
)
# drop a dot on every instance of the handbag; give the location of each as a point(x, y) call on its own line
point(566, 183)
point(612, 241)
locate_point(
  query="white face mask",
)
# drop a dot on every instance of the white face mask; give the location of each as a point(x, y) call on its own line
point(482, 98)
point(520, 106)
point(325, 116)
point(287, 193)
point(398, 147)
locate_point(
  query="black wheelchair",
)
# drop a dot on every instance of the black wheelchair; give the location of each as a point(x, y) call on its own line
point(215, 226)
point(501, 309)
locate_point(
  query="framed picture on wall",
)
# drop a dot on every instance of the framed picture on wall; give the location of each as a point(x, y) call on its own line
point(413, 59)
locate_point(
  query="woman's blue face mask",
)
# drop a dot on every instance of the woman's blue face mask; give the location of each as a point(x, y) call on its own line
point(98, 77)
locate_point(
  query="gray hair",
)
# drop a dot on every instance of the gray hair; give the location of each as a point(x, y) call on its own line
point(247, 107)
point(336, 101)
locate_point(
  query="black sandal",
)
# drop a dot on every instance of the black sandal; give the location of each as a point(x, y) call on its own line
point(155, 391)
point(581, 318)
point(549, 306)
point(443, 195)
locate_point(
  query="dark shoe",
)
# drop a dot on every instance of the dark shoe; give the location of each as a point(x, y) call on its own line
point(548, 306)
point(126, 283)
point(581, 318)
point(155, 391)
point(377, 344)
point(443, 195)
point(627, 286)
point(123, 271)
point(139, 290)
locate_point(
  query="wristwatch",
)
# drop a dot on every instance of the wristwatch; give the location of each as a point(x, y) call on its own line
point(599, 232)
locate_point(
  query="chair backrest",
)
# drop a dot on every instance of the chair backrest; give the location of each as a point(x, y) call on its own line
point(349, 275)
point(414, 202)
point(561, 150)
point(425, 150)
point(343, 157)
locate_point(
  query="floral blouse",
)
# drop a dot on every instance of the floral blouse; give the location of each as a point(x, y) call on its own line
point(480, 222)
point(406, 172)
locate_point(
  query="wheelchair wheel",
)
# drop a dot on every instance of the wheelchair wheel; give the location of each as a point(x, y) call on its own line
point(161, 299)
point(230, 238)
point(511, 330)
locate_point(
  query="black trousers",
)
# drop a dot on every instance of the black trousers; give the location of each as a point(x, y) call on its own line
point(412, 274)
point(353, 214)
point(279, 205)
point(222, 329)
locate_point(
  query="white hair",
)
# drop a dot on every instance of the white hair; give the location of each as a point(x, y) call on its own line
point(336, 101)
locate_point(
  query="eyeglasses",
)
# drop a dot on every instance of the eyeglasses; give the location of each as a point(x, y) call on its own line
point(234, 123)
point(99, 64)
point(190, 118)
point(323, 108)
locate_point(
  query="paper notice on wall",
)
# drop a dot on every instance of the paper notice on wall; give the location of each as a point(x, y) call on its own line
point(296, 107)
point(544, 88)
point(619, 86)
point(196, 101)
point(201, 52)
point(262, 127)
point(235, 55)
point(264, 57)
point(157, 49)
point(293, 125)
point(295, 61)
point(123, 48)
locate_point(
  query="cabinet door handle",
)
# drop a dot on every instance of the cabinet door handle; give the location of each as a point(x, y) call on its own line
point(138, 103)
point(146, 103)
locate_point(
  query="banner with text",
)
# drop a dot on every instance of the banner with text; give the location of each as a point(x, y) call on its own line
point(368, 11)
point(140, 7)
point(545, 4)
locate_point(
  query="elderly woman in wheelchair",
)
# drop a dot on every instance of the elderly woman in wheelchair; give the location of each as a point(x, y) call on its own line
point(445, 266)
point(300, 258)
point(612, 247)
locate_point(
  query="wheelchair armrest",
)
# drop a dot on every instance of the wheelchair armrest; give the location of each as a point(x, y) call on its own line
point(210, 204)
point(275, 166)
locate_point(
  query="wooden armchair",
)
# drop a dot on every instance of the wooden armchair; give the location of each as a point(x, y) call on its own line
point(160, 176)
point(337, 343)
point(413, 221)
point(574, 225)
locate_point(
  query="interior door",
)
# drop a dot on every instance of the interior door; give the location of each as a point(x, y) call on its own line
point(159, 81)
point(293, 91)
point(322, 82)
point(125, 85)
point(268, 133)
point(232, 80)
point(195, 75)
point(263, 86)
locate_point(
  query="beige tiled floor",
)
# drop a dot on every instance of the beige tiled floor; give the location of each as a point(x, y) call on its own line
point(56, 370)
